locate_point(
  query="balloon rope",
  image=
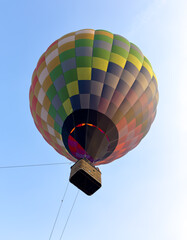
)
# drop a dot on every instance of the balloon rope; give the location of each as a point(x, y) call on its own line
point(34, 165)
point(58, 211)
point(69, 215)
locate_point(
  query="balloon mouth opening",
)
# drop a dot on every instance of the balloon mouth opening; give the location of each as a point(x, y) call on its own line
point(90, 125)
point(76, 149)
point(89, 134)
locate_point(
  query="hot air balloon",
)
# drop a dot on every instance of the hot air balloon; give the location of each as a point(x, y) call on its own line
point(93, 97)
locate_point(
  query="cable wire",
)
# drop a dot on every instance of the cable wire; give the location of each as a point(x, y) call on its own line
point(69, 215)
point(59, 211)
point(33, 165)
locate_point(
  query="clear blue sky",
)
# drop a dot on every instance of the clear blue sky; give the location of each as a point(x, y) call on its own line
point(144, 193)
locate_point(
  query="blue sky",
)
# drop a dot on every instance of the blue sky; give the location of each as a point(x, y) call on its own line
point(144, 193)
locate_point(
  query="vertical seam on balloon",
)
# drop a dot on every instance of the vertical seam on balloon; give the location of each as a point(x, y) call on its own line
point(92, 69)
point(118, 79)
point(132, 83)
point(64, 37)
point(106, 70)
point(42, 88)
point(86, 147)
point(55, 88)
point(51, 79)
point(67, 153)
point(78, 90)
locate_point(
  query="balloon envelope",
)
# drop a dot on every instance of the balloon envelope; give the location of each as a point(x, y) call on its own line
point(93, 94)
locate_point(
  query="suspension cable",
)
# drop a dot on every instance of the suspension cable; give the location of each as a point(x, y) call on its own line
point(69, 215)
point(59, 211)
point(33, 165)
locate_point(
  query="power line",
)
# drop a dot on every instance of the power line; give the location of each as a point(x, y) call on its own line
point(33, 165)
point(59, 211)
point(69, 215)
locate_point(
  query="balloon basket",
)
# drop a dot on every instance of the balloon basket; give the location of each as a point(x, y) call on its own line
point(85, 176)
